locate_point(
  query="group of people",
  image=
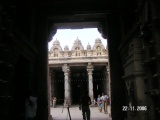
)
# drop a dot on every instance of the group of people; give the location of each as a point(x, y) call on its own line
point(85, 102)
point(102, 102)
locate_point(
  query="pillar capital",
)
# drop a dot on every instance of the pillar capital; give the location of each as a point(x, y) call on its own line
point(66, 68)
point(90, 67)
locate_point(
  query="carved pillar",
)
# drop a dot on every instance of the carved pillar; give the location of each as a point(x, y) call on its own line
point(108, 81)
point(67, 94)
point(134, 79)
point(90, 81)
point(142, 99)
point(49, 86)
point(108, 89)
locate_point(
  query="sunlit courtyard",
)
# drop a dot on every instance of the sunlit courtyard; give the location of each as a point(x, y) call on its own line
point(60, 113)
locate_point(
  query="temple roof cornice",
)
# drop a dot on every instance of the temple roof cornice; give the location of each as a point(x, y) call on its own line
point(80, 60)
point(77, 50)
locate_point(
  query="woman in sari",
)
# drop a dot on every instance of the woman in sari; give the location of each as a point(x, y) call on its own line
point(99, 103)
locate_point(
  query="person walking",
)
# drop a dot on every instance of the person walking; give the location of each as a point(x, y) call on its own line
point(99, 103)
point(85, 101)
point(104, 99)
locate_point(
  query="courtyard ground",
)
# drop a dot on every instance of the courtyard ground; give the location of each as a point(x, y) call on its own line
point(60, 113)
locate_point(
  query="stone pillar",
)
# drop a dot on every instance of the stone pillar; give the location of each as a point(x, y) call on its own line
point(67, 88)
point(49, 86)
point(108, 90)
point(134, 74)
point(105, 82)
point(90, 81)
point(142, 99)
point(108, 81)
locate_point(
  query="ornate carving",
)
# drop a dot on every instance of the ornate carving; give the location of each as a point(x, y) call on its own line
point(77, 49)
point(66, 48)
point(98, 43)
point(77, 44)
point(88, 47)
point(65, 68)
point(55, 49)
point(153, 92)
point(90, 66)
point(56, 45)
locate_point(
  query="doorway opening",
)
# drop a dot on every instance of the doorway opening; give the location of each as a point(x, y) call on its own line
point(80, 58)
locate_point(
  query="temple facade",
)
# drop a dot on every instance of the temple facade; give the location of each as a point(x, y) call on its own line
point(73, 71)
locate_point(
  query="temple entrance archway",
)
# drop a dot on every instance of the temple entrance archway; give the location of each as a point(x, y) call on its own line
point(94, 21)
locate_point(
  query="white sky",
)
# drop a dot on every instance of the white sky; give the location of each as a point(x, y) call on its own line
point(68, 36)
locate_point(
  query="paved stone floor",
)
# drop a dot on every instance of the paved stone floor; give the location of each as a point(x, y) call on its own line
point(76, 114)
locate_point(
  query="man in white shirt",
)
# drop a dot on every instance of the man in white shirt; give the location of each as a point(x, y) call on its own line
point(104, 99)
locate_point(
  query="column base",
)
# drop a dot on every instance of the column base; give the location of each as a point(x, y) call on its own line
point(65, 105)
